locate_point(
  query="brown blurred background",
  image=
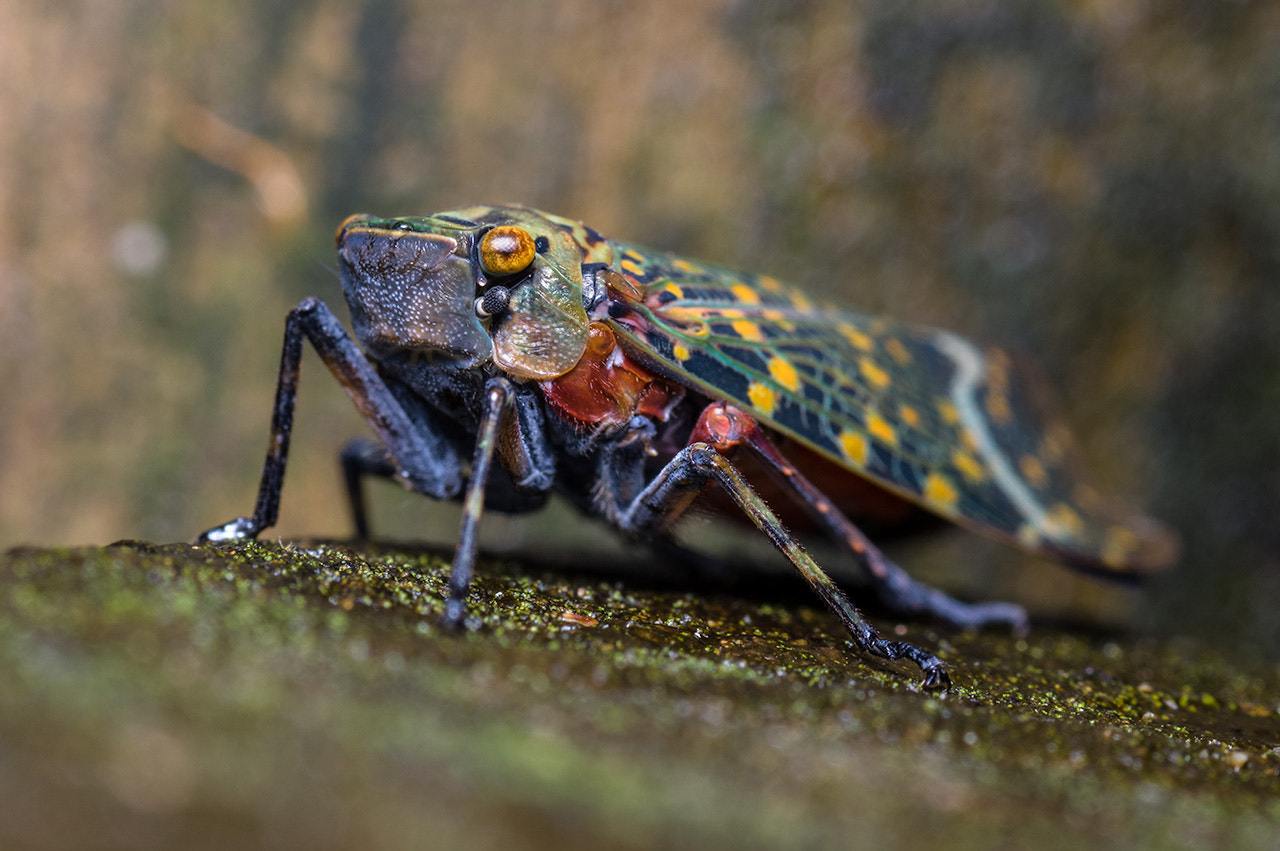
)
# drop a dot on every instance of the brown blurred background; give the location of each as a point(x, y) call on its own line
point(1095, 183)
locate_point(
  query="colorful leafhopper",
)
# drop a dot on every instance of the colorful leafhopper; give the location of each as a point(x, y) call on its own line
point(631, 381)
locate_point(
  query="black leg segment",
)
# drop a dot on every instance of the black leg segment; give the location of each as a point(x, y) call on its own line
point(360, 459)
point(420, 456)
point(675, 487)
point(894, 586)
point(498, 396)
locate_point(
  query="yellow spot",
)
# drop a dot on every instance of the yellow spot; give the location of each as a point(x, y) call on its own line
point(800, 301)
point(968, 466)
point(773, 285)
point(681, 352)
point(940, 491)
point(998, 407)
point(684, 265)
point(898, 351)
point(1054, 445)
point(778, 318)
point(631, 266)
point(998, 365)
point(873, 373)
point(748, 331)
point(855, 447)
point(784, 373)
point(680, 313)
point(1118, 545)
point(856, 338)
point(675, 290)
point(909, 415)
point(947, 410)
point(762, 397)
point(1033, 471)
point(880, 429)
point(1062, 521)
point(692, 320)
point(745, 294)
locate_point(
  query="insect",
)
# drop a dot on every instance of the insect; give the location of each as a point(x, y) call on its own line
point(629, 381)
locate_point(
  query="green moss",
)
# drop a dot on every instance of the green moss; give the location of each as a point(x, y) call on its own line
point(307, 693)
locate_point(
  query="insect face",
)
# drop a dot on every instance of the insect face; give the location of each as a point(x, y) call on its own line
point(486, 283)
point(411, 286)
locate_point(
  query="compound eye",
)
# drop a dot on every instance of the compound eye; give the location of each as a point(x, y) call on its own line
point(506, 250)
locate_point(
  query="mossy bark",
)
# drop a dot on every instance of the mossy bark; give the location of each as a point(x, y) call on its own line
point(290, 695)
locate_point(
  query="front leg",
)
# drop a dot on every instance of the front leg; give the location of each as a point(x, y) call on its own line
point(423, 459)
point(675, 487)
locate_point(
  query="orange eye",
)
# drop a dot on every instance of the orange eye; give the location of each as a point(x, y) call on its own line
point(506, 250)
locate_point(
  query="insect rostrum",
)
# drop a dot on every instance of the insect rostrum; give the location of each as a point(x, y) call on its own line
point(504, 353)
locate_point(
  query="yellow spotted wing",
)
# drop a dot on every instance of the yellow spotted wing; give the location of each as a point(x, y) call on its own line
point(922, 412)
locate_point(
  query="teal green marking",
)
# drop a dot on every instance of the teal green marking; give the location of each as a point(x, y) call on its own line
point(935, 418)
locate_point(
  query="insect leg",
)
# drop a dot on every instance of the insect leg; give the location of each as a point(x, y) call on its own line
point(894, 586)
point(521, 489)
point(498, 396)
point(361, 458)
point(424, 461)
point(725, 426)
point(684, 477)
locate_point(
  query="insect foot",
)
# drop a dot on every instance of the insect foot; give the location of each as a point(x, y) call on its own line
point(237, 530)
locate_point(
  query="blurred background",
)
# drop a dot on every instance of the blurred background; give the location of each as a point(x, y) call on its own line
point(1094, 183)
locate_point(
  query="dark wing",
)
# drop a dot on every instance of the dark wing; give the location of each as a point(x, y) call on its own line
point(925, 413)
